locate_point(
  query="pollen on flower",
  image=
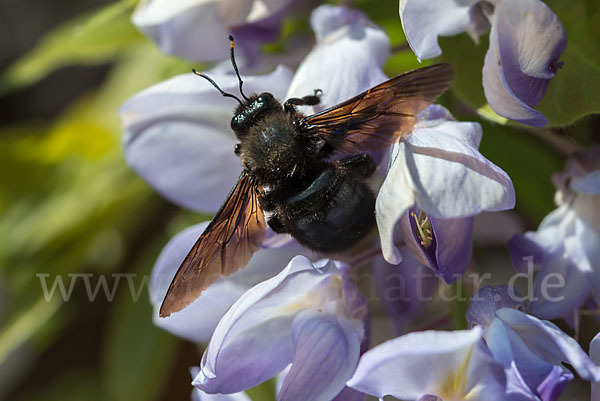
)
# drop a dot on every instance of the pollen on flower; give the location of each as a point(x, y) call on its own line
point(423, 228)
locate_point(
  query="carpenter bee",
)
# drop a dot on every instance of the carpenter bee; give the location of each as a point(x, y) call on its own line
point(289, 171)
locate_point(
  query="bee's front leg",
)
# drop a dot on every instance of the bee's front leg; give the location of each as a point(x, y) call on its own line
point(310, 100)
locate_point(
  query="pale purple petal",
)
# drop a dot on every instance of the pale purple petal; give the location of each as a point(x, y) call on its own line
point(451, 178)
point(526, 42)
point(561, 285)
point(395, 197)
point(588, 184)
point(424, 21)
point(198, 320)
point(197, 29)
point(439, 168)
point(529, 371)
point(178, 26)
point(260, 323)
point(177, 136)
point(347, 44)
point(419, 364)
point(326, 353)
point(548, 341)
point(484, 304)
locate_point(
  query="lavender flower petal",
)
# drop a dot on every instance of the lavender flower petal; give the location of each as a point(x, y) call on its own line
point(326, 353)
point(348, 44)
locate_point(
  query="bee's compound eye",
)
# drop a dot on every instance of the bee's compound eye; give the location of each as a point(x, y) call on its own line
point(236, 122)
point(264, 97)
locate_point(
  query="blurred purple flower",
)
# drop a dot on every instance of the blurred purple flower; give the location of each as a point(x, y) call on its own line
point(197, 29)
point(566, 247)
point(311, 316)
point(437, 181)
point(526, 42)
point(530, 350)
point(431, 366)
point(404, 289)
point(199, 395)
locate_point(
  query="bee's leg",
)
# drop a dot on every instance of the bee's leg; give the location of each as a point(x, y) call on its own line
point(310, 100)
point(237, 148)
point(363, 165)
point(276, 224)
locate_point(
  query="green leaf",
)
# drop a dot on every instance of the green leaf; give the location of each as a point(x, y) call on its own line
point(573, 92)
point(529, 165)
point(91, 39)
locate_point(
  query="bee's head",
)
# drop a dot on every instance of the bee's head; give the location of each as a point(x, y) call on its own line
point(252, 111)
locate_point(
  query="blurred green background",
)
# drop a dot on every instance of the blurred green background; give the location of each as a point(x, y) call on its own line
point(69, 204)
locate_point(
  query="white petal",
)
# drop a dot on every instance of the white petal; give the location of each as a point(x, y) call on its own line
point(395, 196)
point(424, 21)
point(451, 178)
point(347, 45)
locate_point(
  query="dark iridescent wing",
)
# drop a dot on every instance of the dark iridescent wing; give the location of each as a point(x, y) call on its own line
point(227, 244)
point(383, 114)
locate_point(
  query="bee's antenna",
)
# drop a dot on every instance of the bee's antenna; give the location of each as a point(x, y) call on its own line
point(217, 86)
point(231, 44)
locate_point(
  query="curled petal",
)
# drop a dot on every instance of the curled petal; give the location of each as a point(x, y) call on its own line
point(326, 353)
point(443, 158)
point(347, 44)
point(395, 197)
point(424, 21)
point(530, 339)
point(177, 136)
point(526, 42)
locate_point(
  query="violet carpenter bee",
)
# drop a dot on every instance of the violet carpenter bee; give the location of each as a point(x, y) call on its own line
point(288, 171)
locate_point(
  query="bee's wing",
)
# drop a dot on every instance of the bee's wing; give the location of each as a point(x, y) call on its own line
point(226, 245)
point(383, 114)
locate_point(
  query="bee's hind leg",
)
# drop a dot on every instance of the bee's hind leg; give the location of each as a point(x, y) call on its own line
point(276, 224)
point(363, 165)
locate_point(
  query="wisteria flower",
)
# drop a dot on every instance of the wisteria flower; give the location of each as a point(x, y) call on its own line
point(526, 42)
point(437, 181)
point(197, 30)
point(311, 316)
point(566, 247)
point(431, 366)
point(530, 350)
